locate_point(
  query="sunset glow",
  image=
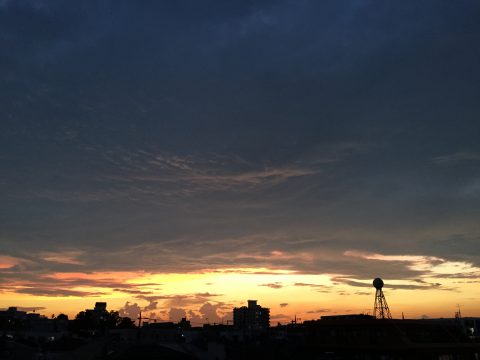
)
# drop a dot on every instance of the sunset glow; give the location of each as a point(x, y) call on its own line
point(287, 293)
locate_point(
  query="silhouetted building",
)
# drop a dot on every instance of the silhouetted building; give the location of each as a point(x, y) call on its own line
point(184, 324)
point(470, 325)
point(98, 314)
point(100, 306)
point(251, 317)
point(13, 313)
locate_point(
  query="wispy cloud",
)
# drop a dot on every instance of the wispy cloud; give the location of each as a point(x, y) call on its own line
point(275, 285)
point(56, 292)
point(62, 257)
point(51, 284)
point(135, 175)
point(311, 285)
point(194, 173)
point(319, 311)
point(280, 317)
point(8, 262)
point(426, 265)
point(390, 285)
point(456, 158)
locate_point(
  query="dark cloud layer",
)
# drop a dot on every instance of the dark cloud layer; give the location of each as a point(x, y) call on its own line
point(199, 135)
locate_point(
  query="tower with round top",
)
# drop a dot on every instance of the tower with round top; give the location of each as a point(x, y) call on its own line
point(380, 310)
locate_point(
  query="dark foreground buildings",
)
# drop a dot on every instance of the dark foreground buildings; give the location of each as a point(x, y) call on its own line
point(251, 317)
point(369, 338)
point(331, 337)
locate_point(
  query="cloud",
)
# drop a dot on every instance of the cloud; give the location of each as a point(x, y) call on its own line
point(191, 174)
point(133, 291)
point(276, 285)
point(130, 310)
point(362, 293)
point(206, 295)
point(280, 317)
point(456, 158)
point(62, 257)
point(273, 255)
point(57, 292)
point(195, 318)
point(30, 280)
point(283, 305)
point(221, 256)
point(319, 311)
point(319, 287)
point(178, 300)
point(355, 283)
point(152, 306)
point(144, 175)
point(210, 312)
point(426, 265)
point(200, 307)
point(9, 262)
point(176, 314)
point(405, 258)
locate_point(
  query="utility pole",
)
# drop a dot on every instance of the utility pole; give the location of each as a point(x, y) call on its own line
point(140, 318)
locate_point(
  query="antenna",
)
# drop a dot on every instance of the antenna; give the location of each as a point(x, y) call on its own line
point(458, 314)
point(380, 310)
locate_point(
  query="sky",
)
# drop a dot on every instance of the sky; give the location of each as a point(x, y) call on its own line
point(181, 157)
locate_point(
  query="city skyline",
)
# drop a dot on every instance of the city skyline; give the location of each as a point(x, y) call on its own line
point(180, 158)
point(208, 307)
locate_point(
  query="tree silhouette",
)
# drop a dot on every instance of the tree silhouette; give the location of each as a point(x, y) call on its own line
point(101, 321)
